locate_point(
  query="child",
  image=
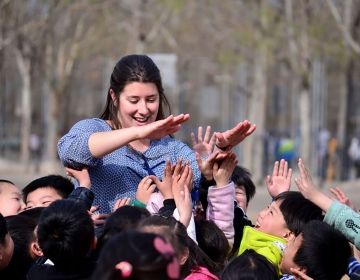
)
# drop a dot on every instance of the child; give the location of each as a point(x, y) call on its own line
point(280, 222)
point(250, 265)
point(10, 199)
point(43, 191)
point(6, 245)
point(319, 250)
point(66, 236)
point(134, 255)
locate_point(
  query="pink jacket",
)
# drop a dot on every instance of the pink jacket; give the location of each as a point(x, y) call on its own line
point(202, 273)
point(221, 209)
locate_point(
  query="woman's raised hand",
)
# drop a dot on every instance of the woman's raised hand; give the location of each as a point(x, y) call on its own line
point(161, 128)
point(232, 137)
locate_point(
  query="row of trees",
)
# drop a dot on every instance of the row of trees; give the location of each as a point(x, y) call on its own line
point(56, 57)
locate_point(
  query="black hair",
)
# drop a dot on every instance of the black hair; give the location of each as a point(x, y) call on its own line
point(140, 252)
point(242, 177)
point(21, 230)
point(175, 233)
point(126, 217)
point(250, 265)
point(33, 213)
point(324, 252)
point(133, 68)
point(3, 229)
point(63, 186)
point(65, 232)
point(6, 181)
point(212, 240)
point(297, 210)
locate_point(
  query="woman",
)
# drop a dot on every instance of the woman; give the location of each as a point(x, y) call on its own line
point(132, 138)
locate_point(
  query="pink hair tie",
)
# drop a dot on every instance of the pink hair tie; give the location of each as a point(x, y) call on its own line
point(125, 268)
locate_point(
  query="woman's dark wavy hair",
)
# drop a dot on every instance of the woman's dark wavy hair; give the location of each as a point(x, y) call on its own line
point(133, 68)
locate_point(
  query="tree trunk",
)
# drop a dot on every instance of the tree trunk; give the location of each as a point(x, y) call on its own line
point(24, 69)
point(254, 147)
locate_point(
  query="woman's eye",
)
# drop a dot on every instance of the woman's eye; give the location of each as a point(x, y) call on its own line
point(133, 101)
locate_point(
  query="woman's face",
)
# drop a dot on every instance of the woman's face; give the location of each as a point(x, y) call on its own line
point(138, 104)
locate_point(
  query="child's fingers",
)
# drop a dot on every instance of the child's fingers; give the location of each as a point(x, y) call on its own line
point(212, 139)
point(276, 169)
point(286, 167)
point(200, 134)
point(289, 174)
point(281, 167)
point(193, 141)
point(207, 134)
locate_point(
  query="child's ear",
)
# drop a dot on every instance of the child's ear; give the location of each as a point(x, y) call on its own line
point(36, 250)
point(183, 258)
point(289, 236)
point(93, 245)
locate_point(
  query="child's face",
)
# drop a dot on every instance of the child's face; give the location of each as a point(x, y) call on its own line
point(6, 251)
point(291, 248)
point(41, 197)
point(271, 221)
point(10, 200)
point(240, 196)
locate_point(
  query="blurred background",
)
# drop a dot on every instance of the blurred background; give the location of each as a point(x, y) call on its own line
point(289, 66)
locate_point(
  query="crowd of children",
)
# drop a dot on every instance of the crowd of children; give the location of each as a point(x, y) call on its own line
point(146, 206)
point(51, 230)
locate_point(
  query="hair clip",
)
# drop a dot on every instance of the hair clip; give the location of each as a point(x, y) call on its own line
point(165, 249)
point(125, 268)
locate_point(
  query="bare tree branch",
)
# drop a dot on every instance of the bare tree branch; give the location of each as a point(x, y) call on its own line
point(345, 31)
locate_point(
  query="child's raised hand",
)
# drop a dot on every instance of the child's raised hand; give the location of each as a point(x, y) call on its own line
point(299, 275)
point(181, 186)
point(309, 191)
point(164, 186)
point(121, 202)
point(222, 171)
point(144, 190)
point(232, 137)
point(341, 196)
point(206, 166)
point(98, 219)
point(305, 183)
point(280, 181)
point(203, 146)
point(82, 176)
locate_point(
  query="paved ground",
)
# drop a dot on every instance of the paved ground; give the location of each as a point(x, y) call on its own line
point(21, 175)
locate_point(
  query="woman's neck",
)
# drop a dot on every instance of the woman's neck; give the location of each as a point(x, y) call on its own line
point(140, 145)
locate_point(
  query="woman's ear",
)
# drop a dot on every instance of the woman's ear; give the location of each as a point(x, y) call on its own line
point(113, 97)
point(184, 256)
point(35, 250)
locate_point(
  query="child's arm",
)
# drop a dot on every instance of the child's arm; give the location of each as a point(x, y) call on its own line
point(221, 197)
point(338, 215)
point(280, 180)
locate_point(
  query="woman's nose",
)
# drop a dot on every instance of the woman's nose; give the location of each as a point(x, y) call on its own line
point(143, 108)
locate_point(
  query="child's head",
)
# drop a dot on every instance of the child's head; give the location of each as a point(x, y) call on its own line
point(43, 191)
point(135, 255)
point(212, 240)
point(10, 199)
point(250, 265)
point(124, 218)
point(6, 244)
point(189, 254)
point(65, 232)
point(320, 251)
point(287, 215)
point(244, 186)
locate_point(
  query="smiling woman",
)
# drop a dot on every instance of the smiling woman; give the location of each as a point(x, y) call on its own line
point(132, 135)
